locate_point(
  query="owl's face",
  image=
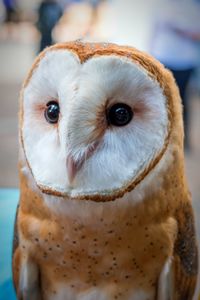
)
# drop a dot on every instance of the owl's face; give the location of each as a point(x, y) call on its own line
point(91, 127)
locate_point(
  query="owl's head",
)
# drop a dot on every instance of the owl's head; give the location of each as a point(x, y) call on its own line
point(95, 119)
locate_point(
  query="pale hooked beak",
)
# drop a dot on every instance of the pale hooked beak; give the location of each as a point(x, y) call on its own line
point(74, 166)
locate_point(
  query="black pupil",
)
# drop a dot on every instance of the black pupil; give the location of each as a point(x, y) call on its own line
point(52, 112)
point(119, 114)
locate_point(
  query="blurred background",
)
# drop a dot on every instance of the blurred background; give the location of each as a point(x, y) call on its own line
point(167, 29)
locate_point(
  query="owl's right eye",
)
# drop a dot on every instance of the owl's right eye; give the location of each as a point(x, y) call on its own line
point(52, 111)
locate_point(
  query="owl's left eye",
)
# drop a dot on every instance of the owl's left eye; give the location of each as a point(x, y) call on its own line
point(119, 114)
point(52, 112)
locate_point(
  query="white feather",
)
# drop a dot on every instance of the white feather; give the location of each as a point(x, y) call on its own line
point(81, 89)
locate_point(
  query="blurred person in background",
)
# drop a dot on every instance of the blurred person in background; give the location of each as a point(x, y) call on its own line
point(49, 14)
point(11, 16)
point(176, 43)
point(94, 4)
point(79, 21)
point(10, 9)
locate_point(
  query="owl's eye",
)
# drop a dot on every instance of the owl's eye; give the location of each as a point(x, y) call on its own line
point(52, 112)
point(119, 114)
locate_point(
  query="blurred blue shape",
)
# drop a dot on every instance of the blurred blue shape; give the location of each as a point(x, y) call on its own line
point(7, 291)
point(8, 203)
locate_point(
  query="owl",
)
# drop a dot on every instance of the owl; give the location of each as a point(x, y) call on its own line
point(105, 212)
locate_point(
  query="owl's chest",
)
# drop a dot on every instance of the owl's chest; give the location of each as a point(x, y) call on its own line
point(109, 257)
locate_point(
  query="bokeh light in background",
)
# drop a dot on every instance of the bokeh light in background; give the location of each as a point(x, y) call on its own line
point(128, 22)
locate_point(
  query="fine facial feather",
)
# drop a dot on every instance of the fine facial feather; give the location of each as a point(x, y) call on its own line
point(121, 152)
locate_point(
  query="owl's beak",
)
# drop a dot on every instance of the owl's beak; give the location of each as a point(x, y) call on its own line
point(73, 166)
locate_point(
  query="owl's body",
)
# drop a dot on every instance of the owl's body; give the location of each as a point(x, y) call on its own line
point(104, 210)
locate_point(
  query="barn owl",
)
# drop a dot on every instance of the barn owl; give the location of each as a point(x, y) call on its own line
point(104, 210)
